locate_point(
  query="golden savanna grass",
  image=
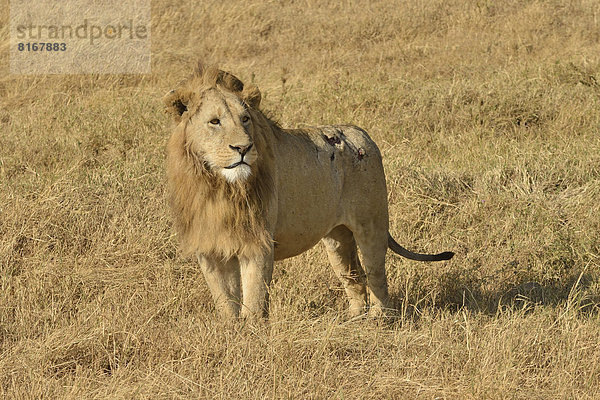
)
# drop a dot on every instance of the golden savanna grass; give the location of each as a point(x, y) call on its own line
point(488, 117)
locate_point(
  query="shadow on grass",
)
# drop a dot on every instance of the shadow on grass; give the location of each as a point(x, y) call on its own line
point(458, 293)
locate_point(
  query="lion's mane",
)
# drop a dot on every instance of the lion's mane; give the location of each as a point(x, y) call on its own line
point(212, 216)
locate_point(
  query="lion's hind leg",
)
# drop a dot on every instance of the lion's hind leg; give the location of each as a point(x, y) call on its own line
point(373, 246)
point(343, 256)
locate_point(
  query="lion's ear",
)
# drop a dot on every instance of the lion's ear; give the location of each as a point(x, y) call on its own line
point(176, 103)
point(230, 81)
point(251, 95)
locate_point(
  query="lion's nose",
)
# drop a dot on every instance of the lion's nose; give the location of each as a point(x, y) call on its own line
point(242, 149)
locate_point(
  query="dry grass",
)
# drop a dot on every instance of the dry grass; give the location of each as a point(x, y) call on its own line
point(488, 117)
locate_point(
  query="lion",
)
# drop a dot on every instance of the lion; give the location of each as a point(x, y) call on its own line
point(245, 192)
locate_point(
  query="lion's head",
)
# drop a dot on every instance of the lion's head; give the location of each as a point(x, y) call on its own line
point(215, 108)
point(219, 164)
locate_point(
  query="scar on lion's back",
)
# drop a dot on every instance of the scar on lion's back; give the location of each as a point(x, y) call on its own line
point(335, 136)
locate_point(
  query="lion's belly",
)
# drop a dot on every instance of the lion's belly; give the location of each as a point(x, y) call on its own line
point(294, 242)
point(304, 220)
point(286, 249)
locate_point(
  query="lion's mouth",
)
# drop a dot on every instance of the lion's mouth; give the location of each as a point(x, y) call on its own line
point(236, 164)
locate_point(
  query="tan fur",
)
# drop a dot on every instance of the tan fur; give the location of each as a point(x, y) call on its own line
point(245, 192)
point(212, 216)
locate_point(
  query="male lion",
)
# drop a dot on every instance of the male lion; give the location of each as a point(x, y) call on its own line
point(245, 192)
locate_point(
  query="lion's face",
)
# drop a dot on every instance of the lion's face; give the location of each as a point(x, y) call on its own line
point(215, 108)
point(220, 131)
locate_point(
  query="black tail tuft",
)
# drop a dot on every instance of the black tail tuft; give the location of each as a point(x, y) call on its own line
point(396, 248)
point(446, 255)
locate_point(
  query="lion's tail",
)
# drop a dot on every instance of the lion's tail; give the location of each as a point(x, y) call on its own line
point(396, 248)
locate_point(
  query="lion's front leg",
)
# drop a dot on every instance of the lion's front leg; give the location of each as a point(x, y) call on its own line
point(223, 280)
point(256, 277)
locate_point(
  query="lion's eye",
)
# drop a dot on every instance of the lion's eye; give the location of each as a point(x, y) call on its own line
point(245, 119)
point(215, 121)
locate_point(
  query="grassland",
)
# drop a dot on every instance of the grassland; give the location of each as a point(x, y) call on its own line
point(488, 117)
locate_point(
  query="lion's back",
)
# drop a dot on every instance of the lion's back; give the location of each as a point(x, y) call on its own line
point(327, 176)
